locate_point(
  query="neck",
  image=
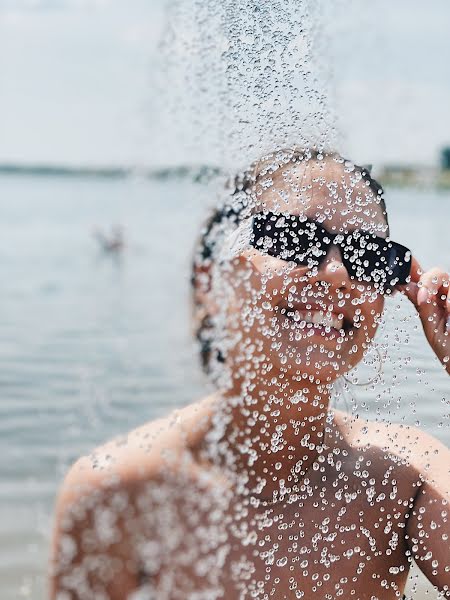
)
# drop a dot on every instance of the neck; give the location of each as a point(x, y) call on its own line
point(268, 431)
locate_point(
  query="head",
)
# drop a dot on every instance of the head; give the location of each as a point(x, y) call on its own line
point(313, 319)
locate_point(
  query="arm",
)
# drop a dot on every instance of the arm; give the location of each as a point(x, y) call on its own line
point(92, 554)
point(428, 527)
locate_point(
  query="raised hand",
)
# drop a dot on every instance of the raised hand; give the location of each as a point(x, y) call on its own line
point(429, 291)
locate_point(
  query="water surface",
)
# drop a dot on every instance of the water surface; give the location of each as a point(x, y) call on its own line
point(92, 345)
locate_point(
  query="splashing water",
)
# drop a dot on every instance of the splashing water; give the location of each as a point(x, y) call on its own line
point(249, 77)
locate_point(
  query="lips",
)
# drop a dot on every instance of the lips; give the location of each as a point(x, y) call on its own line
point(316, 318)
point(306, 315)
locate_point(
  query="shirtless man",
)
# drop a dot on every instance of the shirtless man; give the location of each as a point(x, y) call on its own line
point(261, 490)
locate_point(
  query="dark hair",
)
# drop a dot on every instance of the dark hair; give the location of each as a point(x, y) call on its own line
point(231, 212)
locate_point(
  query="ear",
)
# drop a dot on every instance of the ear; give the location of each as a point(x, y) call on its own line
point(201, 281)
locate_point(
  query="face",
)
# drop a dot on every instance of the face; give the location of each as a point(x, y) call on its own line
point(313, 321)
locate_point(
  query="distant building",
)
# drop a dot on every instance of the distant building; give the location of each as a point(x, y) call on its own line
point(445, 158)
point(408, 175)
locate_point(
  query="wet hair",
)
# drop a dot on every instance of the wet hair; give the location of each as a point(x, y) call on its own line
point(231, 212)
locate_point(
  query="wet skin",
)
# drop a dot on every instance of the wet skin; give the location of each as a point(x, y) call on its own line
point(184, 495)
point(373, 501)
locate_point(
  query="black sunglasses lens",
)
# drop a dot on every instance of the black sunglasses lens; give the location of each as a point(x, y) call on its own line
point(399, 261)
point(377, 260)
point(288, 238)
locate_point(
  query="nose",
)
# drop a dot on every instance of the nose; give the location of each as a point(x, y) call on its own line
point(333, 270)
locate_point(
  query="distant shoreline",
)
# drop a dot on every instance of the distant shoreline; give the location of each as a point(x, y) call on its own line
point(196, 172)
point(392, 176)
point(418, 177)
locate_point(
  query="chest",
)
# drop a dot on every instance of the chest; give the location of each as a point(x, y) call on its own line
point(333, 538)
point(317, 545)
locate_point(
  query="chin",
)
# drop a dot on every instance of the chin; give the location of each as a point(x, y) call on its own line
point(314, 359)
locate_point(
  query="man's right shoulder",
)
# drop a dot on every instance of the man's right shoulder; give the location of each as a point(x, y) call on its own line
point(145, 454)
point(104, 493)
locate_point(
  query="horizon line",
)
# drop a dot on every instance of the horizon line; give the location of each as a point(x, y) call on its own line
point(197, 172)
point(112, 171)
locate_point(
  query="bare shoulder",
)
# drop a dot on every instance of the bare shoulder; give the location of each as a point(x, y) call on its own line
point(99, 510)
point(142, 455)
point(413, 450)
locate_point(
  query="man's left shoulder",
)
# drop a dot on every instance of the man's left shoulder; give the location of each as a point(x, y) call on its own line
point(408, 449)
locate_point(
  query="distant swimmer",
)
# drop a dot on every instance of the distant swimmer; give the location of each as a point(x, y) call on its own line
point(114, 242)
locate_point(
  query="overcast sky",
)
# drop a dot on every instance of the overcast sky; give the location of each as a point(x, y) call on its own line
point(76, 81)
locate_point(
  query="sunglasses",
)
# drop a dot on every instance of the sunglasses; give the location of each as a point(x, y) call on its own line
point(367, 257)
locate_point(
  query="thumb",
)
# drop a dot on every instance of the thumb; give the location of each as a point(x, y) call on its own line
point(410, 290)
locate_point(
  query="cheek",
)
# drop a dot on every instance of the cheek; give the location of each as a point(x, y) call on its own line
point(370, 311)
point(240, 291)
point(276, 275)
point(265, 265)
point(254, 289)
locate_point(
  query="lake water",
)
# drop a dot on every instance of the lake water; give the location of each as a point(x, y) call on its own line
point(91, 346)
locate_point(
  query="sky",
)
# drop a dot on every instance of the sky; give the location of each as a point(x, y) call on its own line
point(77, 81)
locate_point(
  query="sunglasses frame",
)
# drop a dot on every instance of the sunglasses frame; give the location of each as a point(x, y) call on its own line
point(397, 261)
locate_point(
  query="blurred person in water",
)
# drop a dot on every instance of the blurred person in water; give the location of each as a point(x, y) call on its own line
point(262, 490)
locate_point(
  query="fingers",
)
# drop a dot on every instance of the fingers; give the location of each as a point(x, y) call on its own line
point(427, 287)
point(433, 286)
point(416, 270)
point(430, 293)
